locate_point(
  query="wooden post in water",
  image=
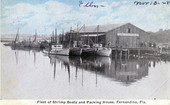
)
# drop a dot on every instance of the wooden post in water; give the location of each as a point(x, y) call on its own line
point(116, 53)
point(116, 59)
point(96, 74)
point(120, 53)
point(128, 52)
point(138, 53)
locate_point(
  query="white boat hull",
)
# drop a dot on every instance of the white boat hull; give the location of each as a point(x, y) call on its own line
point(60, 52)
point(104, 52)
point(45, 51)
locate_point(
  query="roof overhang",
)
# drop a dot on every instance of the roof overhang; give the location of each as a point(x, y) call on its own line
point(92, 35)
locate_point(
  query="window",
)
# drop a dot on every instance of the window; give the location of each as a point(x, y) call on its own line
point(128, 30)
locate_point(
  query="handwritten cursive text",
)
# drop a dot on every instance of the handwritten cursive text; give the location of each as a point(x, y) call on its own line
point(152, 3)
point(89, 4)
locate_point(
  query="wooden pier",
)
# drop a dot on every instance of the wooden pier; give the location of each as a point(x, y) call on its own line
point(135, 52)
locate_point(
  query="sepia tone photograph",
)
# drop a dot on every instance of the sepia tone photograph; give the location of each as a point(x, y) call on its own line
point(85, 49)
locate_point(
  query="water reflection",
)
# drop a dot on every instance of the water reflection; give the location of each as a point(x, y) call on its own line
point(16, 57)
point(63, 61)
point(25, 49)
point(78, 77)
point(18, 50)
point(128, 71)
point(125, 71)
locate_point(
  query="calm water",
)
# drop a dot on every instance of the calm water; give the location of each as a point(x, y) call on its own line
point(29, 74)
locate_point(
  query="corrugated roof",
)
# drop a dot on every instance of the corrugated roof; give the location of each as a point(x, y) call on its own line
point(102, 28)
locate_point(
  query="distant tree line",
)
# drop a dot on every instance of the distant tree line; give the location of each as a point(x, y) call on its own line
point(162, 36)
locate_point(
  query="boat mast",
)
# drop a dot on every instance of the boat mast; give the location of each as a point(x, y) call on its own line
point(97, 32)
point(29, 39)
point(77, 36)
point(17, 36)
point(62, 37)
point(55, 39)
point(35, 38)
point(88, 39)
point(70, 37)
point(84, 28)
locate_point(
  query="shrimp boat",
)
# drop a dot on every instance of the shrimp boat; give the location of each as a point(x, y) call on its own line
point(16, 42)
point(44, 44)
point(7, 44)
point(57, 49)
point(26, 43)
point(88, 51)
point(97, 49)
point(102, 51)
point(76, 51)
point(35, 43)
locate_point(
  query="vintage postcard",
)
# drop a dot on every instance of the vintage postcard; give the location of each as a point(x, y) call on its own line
point(85, 52)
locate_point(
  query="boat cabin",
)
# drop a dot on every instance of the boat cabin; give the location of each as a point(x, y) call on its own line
point(97, 45)
point(57, 46)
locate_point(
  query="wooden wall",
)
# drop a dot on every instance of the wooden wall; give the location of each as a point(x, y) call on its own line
point(132, 41)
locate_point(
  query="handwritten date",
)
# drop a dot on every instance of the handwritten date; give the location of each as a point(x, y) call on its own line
point(152, 3)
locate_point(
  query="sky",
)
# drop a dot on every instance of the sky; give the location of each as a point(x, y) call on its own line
point(46, 15)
